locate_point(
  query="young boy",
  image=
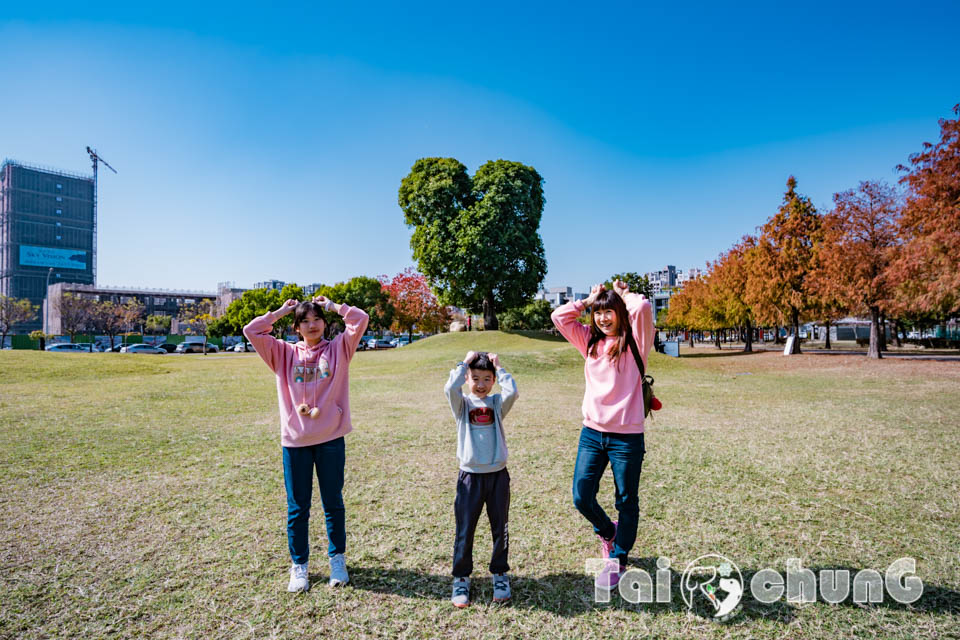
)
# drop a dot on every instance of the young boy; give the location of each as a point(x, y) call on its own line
point(482, 452)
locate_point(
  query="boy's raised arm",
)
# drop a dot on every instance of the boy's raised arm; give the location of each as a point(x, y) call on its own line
point(508, 386)
point(458, 376)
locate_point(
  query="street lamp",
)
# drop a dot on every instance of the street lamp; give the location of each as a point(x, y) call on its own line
point(46, 308)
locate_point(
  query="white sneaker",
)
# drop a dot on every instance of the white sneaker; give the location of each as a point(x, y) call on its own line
point(298, 578)
point(338, 570)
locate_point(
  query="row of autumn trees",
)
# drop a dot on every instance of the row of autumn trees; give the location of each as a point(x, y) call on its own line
point(880, 251)
point(400, 303)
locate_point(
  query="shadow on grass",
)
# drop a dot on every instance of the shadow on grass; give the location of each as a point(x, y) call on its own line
point(718, 354)
point(535, 335)
point(571, 594)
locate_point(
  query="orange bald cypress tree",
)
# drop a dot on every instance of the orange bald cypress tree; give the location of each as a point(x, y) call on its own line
point(778, 289)
point(928, 269)
point(860, 242)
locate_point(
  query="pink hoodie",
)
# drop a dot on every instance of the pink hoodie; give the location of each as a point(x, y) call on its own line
point(331, 395)
point(612, 400)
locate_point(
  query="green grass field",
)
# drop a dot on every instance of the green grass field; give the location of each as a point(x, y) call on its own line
point(142, 496)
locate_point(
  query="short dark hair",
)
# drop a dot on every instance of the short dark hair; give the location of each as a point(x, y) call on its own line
point(305, 308)
point(481, 361)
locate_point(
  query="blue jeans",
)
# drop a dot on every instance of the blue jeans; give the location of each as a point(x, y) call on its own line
point(298, 465)
point(624, 452)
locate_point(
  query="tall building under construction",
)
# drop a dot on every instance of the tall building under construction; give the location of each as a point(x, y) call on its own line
point(48, 232)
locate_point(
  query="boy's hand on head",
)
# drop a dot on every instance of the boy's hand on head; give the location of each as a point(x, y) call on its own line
point(495, 359)
point(469, 357)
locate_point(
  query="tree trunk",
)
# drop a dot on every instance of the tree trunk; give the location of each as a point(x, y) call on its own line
point(489, 317)
point(690, 335)
point(827, 326)
point(897, 329)
point(874, 350)
point(796, 332)
point(716, 339)
point(748, 339)
point(883, 332)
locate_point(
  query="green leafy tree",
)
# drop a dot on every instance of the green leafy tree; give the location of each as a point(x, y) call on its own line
point(41, 338)
point(476, 239)
point(635, 282)
point(14, 311)
point(364, 293)
point(257, 302)
point(158, 325)
point(534, 316)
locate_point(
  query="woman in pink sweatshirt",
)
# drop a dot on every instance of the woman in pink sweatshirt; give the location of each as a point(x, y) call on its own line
point(313, 392)
point(613, 413)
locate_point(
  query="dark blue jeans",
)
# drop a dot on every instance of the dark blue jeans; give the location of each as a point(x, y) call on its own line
point(625, 453)
point(298, 464)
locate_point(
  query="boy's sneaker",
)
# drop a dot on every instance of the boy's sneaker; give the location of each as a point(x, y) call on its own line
point(501, 587)
point(607, 545)
point(338, 570)
point(298, 578)
point(461, 592)
point(609, 576)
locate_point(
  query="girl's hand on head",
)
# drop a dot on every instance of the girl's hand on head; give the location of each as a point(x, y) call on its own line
point(595, 292)
point(324, 301)
point(287, 307)
point(621, 288)
point(495, 359)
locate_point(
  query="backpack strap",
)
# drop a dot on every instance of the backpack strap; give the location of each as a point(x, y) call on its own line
point(636, 352)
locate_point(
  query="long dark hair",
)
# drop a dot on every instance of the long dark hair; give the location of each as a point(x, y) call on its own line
point(609, 299)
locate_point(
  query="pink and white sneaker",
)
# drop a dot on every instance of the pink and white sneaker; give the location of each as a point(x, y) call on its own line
point(607, 545)
point(609, 576)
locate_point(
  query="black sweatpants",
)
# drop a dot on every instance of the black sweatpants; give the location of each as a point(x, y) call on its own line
point(473, 491)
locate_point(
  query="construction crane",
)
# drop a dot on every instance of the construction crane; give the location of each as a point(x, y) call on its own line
point(96, 159)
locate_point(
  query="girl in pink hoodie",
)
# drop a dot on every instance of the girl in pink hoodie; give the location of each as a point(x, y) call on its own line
point(313, 392)
point(613, 413)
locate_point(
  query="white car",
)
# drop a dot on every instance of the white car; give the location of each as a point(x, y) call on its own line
point(241, 347)
point(141, 348)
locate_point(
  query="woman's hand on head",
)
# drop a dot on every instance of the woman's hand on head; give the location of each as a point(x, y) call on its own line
point(287, 307)
point(595, 292)
point(621, 288)
point(325, 302)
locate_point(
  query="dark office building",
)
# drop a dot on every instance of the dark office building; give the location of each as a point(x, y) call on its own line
point(48, 221)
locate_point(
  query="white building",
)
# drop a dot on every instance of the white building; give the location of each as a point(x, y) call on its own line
point(557, 296)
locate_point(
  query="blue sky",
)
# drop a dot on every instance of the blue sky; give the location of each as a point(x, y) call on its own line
point(258, 141)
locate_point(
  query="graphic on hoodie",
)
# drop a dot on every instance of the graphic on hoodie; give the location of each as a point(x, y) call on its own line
point(303, 373)
point(481, 416)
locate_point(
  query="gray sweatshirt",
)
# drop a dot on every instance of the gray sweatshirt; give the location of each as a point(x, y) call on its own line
point(481, 444)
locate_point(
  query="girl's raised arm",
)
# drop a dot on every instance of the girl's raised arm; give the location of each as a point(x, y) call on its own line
point(258, 332)
point(354, 319)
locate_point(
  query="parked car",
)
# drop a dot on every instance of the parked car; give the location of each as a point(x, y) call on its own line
point(402, 341)
point(86, 346)
point(380, 343)
point(66, 347)
point(141, 348)
point(195, 347)
point(169, 348)
point(241, 347)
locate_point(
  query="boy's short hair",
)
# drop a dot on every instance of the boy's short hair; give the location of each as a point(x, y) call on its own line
point(482, 362)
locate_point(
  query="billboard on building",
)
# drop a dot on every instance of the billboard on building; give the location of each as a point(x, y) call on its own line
point(31, 256)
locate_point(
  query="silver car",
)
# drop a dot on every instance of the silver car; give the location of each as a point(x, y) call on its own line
point(142, 348)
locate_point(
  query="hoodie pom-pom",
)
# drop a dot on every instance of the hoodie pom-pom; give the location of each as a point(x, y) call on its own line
point(655, 404)
point(303, 409)
point(315, 412)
